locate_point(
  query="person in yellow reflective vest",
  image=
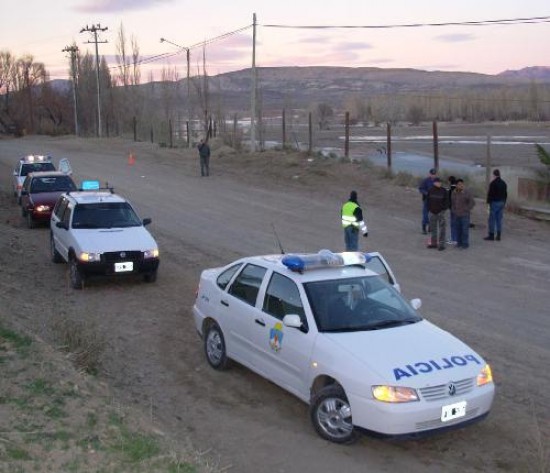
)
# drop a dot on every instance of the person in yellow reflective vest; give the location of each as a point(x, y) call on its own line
point(353, 223)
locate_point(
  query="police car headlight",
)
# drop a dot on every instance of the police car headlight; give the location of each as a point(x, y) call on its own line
point(485, 376)
point(151, 253)
point(394, 394)
point(90, 257)
point(42, 208)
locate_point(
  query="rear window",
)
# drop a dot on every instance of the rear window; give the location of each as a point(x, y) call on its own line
point(36, 167)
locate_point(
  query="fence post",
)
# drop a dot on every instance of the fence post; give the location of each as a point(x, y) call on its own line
point(436, 145)
point(488, 163)
point(388, 146)
point(152, 141)
point(234, 136)
point(310, 133)
point(346, 140)
point(284, 128)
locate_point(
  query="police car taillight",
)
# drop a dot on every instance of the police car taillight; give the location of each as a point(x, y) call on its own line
point(324, 259)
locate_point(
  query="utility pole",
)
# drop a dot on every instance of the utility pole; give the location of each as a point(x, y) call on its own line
point(188, 55)
point(73, 50)
point(94, 29)
point(253, 100)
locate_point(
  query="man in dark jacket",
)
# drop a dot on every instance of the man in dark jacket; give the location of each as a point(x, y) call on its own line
point(438, 203)
point(423, 188)
point(462, 203)
point(496, 199)
point(204, 155)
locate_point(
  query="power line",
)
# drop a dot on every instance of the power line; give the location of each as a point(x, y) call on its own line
point(509, 21)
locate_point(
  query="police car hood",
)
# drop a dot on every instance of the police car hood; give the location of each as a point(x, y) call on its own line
point(115, 239)
point(412, 355)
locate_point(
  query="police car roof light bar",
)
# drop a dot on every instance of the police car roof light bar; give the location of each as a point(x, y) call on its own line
point(324, 259)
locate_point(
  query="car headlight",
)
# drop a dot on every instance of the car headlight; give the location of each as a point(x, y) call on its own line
point(42, 208)
point(151, 253)
point(394, 394)
point(89, 257)
point(485, 376)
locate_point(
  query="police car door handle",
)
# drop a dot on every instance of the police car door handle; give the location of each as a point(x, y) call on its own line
point(260, 322)
point(225, 303)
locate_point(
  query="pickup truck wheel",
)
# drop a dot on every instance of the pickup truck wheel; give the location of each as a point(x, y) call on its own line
point(150, 277)
point(77, 280)
point(214, 347)
point(54, 254)
point(330, 414)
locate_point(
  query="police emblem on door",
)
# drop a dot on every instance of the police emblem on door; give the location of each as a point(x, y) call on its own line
point(276, 337)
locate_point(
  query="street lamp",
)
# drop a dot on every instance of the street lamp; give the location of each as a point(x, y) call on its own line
point(188, 54)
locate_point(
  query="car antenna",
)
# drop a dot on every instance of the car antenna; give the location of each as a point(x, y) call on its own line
point(277, 238)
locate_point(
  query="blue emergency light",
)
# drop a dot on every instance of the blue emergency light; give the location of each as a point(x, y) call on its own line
point(324, 259)
point(89, 185)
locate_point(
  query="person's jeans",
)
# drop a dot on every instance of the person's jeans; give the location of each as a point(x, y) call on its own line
point(351, 237)
point(462, 231)
point(437, 228)
point(496, 210)
point(205, 165)
point(454, 236)
point(425, 215)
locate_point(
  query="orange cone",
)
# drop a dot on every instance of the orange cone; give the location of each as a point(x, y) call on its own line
point(131, 159)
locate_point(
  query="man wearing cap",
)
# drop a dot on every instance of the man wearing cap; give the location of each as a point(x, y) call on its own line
point(496, 199)
point(353, 223)
point(424, 187)
point(438, 203)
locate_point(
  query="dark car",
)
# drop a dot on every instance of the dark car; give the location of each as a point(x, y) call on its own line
point(40, 193)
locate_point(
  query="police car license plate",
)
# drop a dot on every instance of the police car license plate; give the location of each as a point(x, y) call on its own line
point(124, 267)
point(453, 411)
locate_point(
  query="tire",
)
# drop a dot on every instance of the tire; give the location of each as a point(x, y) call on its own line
point(76, 277)
point(214, 347)
point(54, 254)
point(330, 414)
point(30, 221)
point(150, 277)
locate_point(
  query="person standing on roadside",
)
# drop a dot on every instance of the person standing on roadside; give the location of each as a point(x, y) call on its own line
point(452, 186)
point(204, 156)
point(496, 199)
point(424, 187)
point(462, 203)
point(353, 223)
point(438, 203)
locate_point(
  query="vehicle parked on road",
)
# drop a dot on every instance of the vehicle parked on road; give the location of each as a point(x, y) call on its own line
point(333, 329)
point(40, 193)
point(97, 232)
point(30, 163)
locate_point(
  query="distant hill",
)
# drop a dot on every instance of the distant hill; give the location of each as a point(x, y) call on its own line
point(540, 73)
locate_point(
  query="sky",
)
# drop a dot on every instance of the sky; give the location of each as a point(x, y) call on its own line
point(44, 29)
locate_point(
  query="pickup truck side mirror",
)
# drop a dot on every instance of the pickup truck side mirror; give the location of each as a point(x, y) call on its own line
point(416, 303)
point(146, 221)
point(24, 192)
point(61, 225)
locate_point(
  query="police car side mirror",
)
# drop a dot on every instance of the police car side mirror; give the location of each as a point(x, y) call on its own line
point(416, 303)
point(146, 221)
point(61, 225)
point(292, 320)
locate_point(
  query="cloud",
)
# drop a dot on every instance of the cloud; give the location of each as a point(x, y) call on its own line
point(112, 6)
point(455, 38)
point(352, 46)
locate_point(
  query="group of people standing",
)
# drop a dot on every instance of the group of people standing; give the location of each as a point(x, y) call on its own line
point(436, 200)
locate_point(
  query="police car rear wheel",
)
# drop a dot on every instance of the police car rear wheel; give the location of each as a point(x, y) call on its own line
point(214, 347)
point(330, 413)
point(77, 280)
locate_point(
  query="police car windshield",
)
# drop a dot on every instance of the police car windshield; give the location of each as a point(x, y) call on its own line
point(105, 215)
point(358, 304)
point(35, 167)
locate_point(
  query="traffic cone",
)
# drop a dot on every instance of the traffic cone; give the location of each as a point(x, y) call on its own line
point(131, 159)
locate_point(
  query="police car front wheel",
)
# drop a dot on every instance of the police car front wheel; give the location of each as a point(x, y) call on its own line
point(330, 413)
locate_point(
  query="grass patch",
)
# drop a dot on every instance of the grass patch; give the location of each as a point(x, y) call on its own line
point(136, 447)
point(40, 387)
point(20, 342)
point(17, 454)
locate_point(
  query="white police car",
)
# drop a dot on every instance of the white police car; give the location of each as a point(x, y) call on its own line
point(333, 329)
point(98, 232)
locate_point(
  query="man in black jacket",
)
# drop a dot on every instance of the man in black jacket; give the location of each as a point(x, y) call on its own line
point(438, 203)
point(496, 199)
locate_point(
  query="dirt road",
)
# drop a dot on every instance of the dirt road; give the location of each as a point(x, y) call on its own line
point(493, 296)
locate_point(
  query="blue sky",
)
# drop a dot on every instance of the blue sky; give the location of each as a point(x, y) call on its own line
point(28, 27)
